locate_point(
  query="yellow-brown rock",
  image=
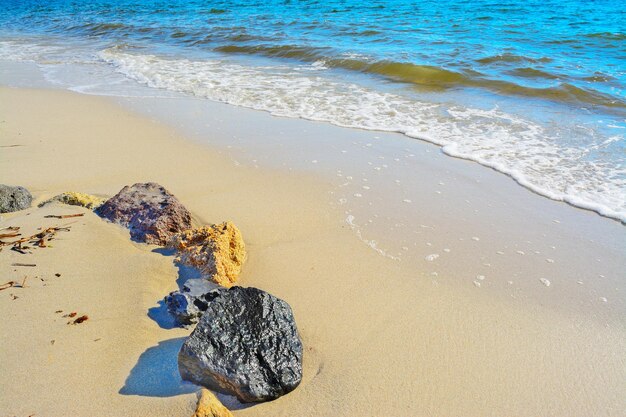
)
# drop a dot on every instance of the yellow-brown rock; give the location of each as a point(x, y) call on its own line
point(76, 199)
point(210, 406)
point(217, 251)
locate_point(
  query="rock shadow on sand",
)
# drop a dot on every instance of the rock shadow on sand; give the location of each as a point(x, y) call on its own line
point(161, 316)
point(159, 313)
point(156, 375)
point(185, 272)
point(156, 372)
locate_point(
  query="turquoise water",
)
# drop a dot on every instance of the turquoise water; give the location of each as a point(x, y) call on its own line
point(535, 89)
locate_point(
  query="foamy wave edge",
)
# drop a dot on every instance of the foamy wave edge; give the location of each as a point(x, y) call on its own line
point(117, 59)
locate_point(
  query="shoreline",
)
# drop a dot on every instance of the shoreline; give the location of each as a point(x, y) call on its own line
point(572, 201)
point(496, 150)
point(397, 194)
point(391, 332)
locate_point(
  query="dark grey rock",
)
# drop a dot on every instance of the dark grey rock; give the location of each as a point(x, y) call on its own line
point(188, 304)
point(149, 211)
point(246, 344)
point(14, 198)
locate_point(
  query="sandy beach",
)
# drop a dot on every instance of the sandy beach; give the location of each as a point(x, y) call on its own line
point(520, 313)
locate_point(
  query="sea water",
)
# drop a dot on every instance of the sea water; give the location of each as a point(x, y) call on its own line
point(534, 89)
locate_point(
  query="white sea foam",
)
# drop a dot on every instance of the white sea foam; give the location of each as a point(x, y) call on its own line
point(520, 148)
point(350, 219)
point(15, 50)
point(535, 155)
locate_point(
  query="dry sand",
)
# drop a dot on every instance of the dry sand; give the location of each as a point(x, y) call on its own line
point(378, 341)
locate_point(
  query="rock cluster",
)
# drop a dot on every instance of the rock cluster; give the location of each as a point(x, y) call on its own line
point(218, 251)
point(73, 198)
point(149, 211)
point(246, 344)
point(189, 303)
point(14, 198)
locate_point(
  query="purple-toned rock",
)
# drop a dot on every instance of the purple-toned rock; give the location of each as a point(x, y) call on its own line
point(149, 211)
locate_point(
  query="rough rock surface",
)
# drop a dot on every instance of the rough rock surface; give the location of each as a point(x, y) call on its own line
point(246, 344)
point(76, 199)
point(14, 198)
point(217, 251)
point(149, 211)
point(210, 406)
point(188, 304)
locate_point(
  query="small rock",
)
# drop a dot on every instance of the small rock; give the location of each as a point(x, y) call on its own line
point(246, 344)
point(217, 251)
point(188, 304)
point(210, 406)
point(149, 211)
point(76, 199)
point(14, 198)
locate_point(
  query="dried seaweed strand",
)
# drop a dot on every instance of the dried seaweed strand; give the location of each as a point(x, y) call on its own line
point(36, 238)
point(63, 216)
point(5, 235)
